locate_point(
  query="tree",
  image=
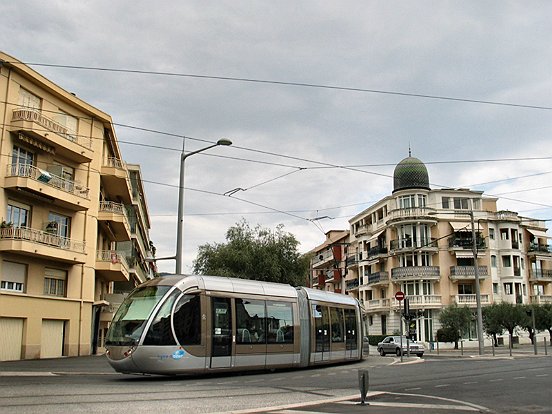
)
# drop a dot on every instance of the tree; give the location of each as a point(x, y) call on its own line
point(491, 323)
point(508, 317)
point(543, 319)
point(455, 319)
point(254, 253)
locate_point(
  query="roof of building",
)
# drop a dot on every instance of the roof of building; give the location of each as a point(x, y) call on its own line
point(410, 173)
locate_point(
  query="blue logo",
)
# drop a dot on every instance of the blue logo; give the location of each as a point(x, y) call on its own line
point(178, 354)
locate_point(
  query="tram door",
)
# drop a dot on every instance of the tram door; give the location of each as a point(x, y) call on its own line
point(351, 333)
point(321, 318)
point(221, 349)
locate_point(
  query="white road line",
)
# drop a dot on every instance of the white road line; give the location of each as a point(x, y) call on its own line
point(497, 380)
point(541, 375)
point(520, 377)
point(442, 385)
point(470, 382)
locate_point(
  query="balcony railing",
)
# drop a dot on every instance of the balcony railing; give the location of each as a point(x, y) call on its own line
point(378, 303)
point(113, 207)
point(420, 300)
point(415, 272)
point(375, 251)
point(42, 237)
point(466, 243)
point(468, 272)
point(470, 299)
point(541, 274)
point(541, 299)
point(403, 213)
point(541, 248)
point(42, 176)
point(34, 115)
point(351, 284)
point(112, 256)
point(378, 277)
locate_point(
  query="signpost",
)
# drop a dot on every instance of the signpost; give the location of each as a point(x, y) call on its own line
point(400, 297)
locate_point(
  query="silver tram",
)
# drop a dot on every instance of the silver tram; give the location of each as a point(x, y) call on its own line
point(199, 324)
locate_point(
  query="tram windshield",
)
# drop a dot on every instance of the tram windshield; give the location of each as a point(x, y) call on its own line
point(131, 317)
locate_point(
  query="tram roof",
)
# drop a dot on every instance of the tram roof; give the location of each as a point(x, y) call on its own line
point(325, 296)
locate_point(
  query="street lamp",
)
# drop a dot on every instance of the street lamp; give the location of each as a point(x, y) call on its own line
point(180, 221)
point(479, 312)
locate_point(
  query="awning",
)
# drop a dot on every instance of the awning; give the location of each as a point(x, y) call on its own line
point(375, 235)
point(460, 226)
point(36, 143)
point(468, 254)
point(539, 233)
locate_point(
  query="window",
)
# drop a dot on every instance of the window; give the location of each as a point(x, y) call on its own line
point(445, 202)
point(493, 260)
point(461, 203)
point(495, 288)
point(28, 100)
point(13, 276)
point(58, 224)
point(69, 122)
point(476, 204)
point(506, 261)
point(422, 200)
point(407, 201)
point(160, 331)
point(18, 214)
point(467, 289)
point(280, 322)
point(22, 162)
point(250, 321)
point(508, 288)
point(54, 282)
point(491, 234)
point(504, 234)
point(187, 320)
point(337, 322)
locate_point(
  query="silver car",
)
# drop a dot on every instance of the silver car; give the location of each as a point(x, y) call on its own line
point(392, 345)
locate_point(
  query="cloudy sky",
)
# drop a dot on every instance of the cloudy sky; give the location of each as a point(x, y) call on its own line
point(302, 89)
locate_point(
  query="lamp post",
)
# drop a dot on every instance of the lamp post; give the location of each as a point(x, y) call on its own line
point(180, 221)
point(479, 312)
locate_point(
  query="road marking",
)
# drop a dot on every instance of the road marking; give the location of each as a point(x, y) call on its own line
point(26, 374)
point(520, 377)
point(541, 375)
point(315, 375)
point(470, 382)
point(412, 389)
point(442, 385)
point(497, 380)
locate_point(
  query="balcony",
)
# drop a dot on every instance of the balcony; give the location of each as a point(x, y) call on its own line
point(114, 217)
point(539, 249)
point(351, 284)
point(115, 180)
point(541, 299)
point(112, 266)
point(468, 272)
point(374, 304)
point(44, 185)
point(34, 124)
point(470, 300)
point(376, 251)
point(543, 275)
point(378, 277)
point(420, 301)
point(412, 213)
point(41, 244)
point(333, 275)
point(410, 244)
point(399, 274)
point(466, 243)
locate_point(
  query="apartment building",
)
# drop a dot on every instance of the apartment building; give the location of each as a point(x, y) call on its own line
point(74, 221)
point(419, 241)
point(328, 265)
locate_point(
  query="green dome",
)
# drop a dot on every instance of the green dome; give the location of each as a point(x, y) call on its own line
point(410, 173)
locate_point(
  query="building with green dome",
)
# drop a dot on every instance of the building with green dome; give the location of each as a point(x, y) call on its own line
point(418, 240)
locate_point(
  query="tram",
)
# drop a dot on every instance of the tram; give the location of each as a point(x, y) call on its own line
point(182, 324)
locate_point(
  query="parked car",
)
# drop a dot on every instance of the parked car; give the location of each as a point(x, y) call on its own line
point(392, 345)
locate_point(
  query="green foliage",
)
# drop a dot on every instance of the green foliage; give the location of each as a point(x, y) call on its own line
point(375, 339)
point(456, 317)
point(491, 321)
point(254, 253)
point(448, 334)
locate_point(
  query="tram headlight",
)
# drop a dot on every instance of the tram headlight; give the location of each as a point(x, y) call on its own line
point(129, 351)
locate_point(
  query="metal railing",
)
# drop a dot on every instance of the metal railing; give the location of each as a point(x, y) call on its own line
point(112, 256)
point(415, 272)
point(44, 177)
point(468, 271)
point(470, 299)
point(42, 237)
point(34, 115)
point(378, 277)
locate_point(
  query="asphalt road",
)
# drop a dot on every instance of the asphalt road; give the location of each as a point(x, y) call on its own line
point(434, 384)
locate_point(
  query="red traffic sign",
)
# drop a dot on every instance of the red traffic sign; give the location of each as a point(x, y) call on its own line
point(399, 295)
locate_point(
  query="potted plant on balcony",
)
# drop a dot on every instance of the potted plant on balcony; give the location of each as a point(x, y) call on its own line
point(6, 224)
point(52, 227)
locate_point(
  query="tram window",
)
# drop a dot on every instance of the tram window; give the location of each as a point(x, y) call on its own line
point(187, 320)
point(160, 332)
point(351, 328)
point(280, 322)
point(337, 323)
point(250, 321)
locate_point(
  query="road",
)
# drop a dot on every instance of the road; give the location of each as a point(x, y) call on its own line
point(502, 385)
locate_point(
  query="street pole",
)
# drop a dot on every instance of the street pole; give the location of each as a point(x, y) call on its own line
point(477, 288)
point(180, 220)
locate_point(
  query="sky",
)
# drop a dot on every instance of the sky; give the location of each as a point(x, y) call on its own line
point(303, 89)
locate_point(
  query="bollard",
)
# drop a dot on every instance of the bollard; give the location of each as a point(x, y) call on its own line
point(363, 382)
point(545, 348)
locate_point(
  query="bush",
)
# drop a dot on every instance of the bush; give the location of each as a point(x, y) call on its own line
point(374, 339)
point(447, 335)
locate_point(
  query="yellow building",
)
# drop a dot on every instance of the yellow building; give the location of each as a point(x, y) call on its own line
point(74, 222)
